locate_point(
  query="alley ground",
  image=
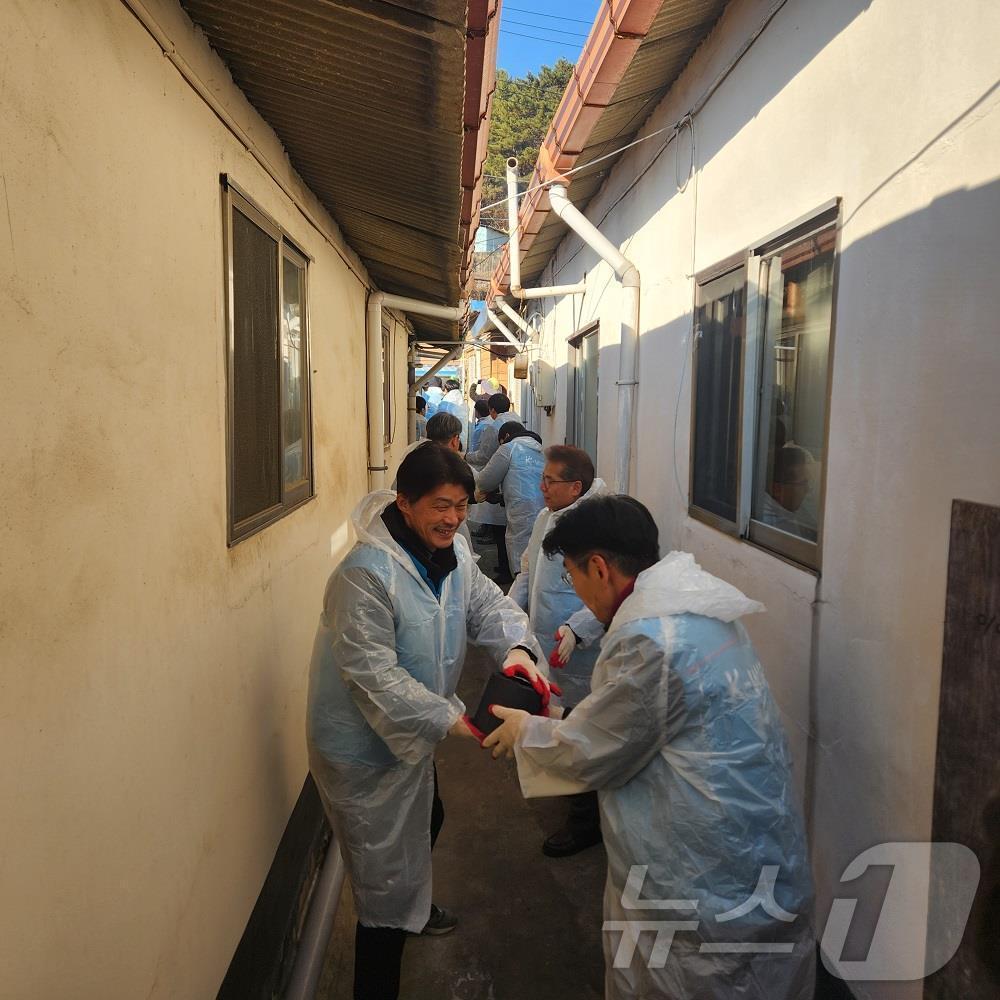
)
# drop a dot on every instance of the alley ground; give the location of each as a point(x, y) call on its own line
point(529, 926)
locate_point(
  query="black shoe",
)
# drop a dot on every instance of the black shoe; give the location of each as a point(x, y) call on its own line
point(565, 842)
point(441, 922)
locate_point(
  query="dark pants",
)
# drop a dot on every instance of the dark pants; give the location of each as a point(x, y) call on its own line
point(378, 951)
point(584, 815)
point(584, 818)
point(500, 537)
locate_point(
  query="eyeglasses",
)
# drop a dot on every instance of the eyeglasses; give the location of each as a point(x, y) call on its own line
point(548, 481)
point(566, 578)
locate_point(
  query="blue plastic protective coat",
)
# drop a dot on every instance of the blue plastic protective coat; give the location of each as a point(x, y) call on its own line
point(385, 664)
point(455, 404)
point(682, 740)
point(516, 468)
point(433, 397)
point(478, 457)
point(540, 589)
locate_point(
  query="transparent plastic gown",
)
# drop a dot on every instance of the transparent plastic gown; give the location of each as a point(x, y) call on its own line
point(385, 664)
point(540, 589)
point(683, 743)
point(516, 468)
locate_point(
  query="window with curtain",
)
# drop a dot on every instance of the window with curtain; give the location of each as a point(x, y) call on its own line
point(269, 454)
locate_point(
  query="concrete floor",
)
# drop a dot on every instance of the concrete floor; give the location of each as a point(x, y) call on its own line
point(529, 926)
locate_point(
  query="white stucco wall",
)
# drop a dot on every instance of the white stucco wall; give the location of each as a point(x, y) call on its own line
point(153, 680)
point(895, 111)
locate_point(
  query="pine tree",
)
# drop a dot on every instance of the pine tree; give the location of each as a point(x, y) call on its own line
point(523, 107)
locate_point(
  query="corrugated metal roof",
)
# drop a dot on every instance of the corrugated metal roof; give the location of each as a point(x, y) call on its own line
point(369, 99)
point(677, 29)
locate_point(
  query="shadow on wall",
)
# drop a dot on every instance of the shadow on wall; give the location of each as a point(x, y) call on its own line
point(815, 26)
point(814, 29)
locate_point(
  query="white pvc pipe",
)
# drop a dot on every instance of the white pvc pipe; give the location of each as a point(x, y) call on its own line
point(628, 365)
point(512, 229)
point(514, 248)
point(319, 925)
point(550, 290)
point(502, 327)
point(373, 338)
point(513, 316)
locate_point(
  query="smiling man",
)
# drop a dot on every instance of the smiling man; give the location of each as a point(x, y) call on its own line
point(683, 743)
point(386, 661)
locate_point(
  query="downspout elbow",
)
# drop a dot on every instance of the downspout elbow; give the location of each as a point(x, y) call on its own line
point(630, 276)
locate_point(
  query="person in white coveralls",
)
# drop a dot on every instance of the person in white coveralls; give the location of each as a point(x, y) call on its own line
point(709, 893)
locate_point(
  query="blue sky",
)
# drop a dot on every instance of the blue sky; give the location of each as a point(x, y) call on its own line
point(535, 33)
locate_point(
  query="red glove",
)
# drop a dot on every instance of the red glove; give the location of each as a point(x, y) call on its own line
point(544, 688)
point(475, 730)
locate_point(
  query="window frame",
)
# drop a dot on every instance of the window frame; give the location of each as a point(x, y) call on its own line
point(736, 262)
point(575, 342)
point(802, 552)
point(234, 198)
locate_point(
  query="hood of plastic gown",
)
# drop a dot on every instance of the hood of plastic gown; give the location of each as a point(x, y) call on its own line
point(677, 585)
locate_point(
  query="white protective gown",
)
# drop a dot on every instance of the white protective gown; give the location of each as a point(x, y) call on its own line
point(550, 601)
point(455, 403)
point(385, 664)
point(516, 468)
point(683, 743)
point(488, 513)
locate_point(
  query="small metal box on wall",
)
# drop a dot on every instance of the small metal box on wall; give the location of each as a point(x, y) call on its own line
point(543, 380)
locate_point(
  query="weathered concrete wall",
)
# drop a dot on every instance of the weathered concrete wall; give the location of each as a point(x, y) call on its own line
point(153, 680)
point(894, 111)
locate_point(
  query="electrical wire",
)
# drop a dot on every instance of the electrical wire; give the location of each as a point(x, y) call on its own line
point(551, 17)
point(552, 41)
point(541, 27)
point(585, 166)
point(673, 129)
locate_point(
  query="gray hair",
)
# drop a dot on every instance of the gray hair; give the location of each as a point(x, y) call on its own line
point(443, 427)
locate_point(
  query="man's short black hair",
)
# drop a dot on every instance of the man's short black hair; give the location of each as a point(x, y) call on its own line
point(499, 402)
point(421, 404)
point(442, 427)
point(430, 466)
point(619, 528)
point(512, 429)
point(452, 384)
point(482, 407)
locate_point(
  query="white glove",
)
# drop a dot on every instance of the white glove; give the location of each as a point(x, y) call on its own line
point(519, 662)
point(566, 642)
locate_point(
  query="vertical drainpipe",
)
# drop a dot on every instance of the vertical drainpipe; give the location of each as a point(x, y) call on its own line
point(514, 248)
point(628, 370)
point(376, 401)
point(373, 339)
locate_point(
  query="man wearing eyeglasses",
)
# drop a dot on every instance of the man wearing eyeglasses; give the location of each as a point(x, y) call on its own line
point(683, 742)
point(545, 592)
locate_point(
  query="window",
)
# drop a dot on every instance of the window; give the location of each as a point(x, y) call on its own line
point(760, 376)
point(269, 454)
point(583, 385)
point(719, 323)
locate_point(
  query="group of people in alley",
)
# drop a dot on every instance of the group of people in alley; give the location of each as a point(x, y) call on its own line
point(656, 724)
